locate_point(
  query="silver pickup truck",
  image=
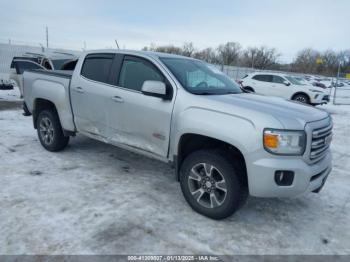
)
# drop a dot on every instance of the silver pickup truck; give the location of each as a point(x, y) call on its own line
point(223, 143)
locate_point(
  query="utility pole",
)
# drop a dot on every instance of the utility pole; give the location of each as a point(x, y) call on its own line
point(336, 83)
point(47, 37)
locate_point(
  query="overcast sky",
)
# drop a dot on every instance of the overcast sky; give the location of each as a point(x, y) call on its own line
point(288, 25)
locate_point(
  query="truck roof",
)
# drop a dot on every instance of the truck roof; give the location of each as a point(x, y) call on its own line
point(138, 52)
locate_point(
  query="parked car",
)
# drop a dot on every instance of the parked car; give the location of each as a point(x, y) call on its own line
point(223, 143)
point(319, 84)
point(282, 85)
point(5, 85)
point(339, 84)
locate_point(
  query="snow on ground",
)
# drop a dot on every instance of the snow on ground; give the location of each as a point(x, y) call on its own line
point(94, 198)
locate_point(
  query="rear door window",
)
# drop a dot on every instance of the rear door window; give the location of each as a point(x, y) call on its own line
point(97, 67)
point(263, 78)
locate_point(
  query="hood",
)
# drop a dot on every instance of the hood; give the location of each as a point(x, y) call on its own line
point(292, 115)
point(320, 89)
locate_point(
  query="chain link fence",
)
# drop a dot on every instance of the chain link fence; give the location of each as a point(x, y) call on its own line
point(341, 95)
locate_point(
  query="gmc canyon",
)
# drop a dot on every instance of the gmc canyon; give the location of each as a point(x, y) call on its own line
point(224, 144)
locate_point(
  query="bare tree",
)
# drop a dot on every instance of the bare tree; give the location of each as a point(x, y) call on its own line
point(188, 49)
point(167, 49)
point(344, 59)
point(261, 58)
point(249, 57)
point(229, 53)
point(208, 54)
point(305, 61)
point(329, 63)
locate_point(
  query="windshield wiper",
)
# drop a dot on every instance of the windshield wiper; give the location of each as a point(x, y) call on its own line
point(204, 93)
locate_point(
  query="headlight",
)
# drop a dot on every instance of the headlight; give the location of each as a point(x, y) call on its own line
point(282, 142)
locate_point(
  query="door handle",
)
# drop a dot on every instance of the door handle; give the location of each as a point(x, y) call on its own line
point(79, 89)
point(118, 99)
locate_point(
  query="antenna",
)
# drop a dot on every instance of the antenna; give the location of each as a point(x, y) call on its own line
point(47, 37)
point(42, 48)
point(116, 42)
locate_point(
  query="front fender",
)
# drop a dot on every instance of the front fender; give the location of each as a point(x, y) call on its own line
point(232, 129)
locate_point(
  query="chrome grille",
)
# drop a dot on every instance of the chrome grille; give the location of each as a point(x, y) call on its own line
point(321, 140)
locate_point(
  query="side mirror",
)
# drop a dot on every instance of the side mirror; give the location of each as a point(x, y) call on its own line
point(286, 83)
point(154, 88)
point(247, 90)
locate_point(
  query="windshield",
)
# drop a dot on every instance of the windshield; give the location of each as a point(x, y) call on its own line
point(293, 80)
point(200, 78)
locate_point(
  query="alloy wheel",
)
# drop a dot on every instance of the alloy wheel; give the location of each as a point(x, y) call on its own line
point(207, 185)
point(46, 130)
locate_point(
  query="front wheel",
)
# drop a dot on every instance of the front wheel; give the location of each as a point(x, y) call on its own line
point(211, 184)
point(50, 131)
point(301, 98)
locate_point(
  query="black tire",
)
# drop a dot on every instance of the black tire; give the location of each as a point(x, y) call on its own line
point(236, 191)
point(48, 119)
point(301, 98)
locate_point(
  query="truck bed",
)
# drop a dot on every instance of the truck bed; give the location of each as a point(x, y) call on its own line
point(53, 86)
point(59, 73)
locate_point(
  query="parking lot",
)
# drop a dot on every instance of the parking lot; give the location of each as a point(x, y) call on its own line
point(94, 198)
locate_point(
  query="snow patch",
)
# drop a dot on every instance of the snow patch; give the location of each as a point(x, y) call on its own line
point(93, 198)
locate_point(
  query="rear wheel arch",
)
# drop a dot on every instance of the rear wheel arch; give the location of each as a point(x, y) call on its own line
point(41, 104)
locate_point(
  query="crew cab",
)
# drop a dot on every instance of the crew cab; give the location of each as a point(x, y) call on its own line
point(224, 143)
point(285, 86)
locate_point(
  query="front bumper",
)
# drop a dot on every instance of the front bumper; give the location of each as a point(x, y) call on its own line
point(326, 98)
point(307, 177)
point(320, 99)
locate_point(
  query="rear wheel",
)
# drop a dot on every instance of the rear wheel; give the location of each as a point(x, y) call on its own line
point(302, 98)
point(211, 184)
point(50, 131)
